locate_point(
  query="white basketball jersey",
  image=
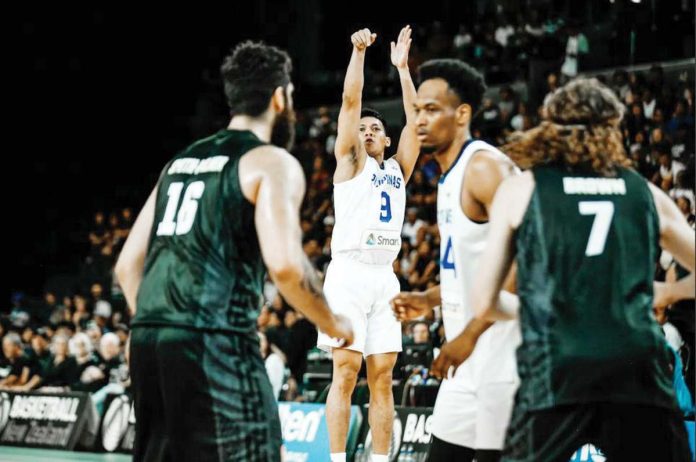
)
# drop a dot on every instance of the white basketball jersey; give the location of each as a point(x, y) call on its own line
point(369, 212)
point(462, 242)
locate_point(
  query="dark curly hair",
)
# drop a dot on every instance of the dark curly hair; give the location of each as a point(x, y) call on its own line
point(369, 112)
point(581, 130)
point(465, 81)
point(251, 73)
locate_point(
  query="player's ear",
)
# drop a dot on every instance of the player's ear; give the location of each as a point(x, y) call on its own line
point(463, 114)
point(387, 142)
point(278, 100)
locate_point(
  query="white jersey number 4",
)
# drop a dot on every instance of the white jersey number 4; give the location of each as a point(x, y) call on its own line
point(603, 212)
point(181, 222)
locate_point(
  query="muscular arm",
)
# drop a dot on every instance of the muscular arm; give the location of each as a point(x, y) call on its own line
point(277, 194)
point(506, 213)
point(409, 147)
point(130, 264)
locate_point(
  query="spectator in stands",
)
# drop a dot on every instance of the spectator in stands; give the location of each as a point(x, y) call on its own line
point(41, 355)
point(20, 367)
point(576, 47)
point(98, 374)
point(274, 359)
point(302, 337)
point(666, 176)
point(649, 103)
point(422, 266)
point(81, 315)
point(99, 235)
point(94, 332)
point(411, 225)
point(19, 315)
point(63, 369)
point(81, 349)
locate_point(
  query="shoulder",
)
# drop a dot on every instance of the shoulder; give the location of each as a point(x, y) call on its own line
point(487, 160)
point(514, 194)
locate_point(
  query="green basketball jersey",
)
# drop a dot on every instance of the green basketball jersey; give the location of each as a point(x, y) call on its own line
point(586, 253)
point(203, 268)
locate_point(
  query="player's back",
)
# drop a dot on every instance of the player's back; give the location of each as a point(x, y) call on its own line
point(586, 252)
point(203, 268)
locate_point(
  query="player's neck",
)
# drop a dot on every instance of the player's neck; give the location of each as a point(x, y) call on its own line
point(257, 125)
point(447, 157)
point(379, 158)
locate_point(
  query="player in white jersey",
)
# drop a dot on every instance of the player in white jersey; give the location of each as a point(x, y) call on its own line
point(473, 406)
point(369, 202)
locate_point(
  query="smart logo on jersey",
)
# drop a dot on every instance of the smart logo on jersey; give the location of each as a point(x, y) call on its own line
point(370, 240)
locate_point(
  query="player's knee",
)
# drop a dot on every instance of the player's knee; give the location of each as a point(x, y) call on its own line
point(344, 379)
point(380, 381)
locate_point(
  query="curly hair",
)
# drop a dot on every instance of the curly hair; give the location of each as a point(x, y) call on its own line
point(251, 73)
point(581, 130)
point(465, 81)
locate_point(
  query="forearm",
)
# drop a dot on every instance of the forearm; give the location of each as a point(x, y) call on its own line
point(354, 81)
point(302, 289)
point(432, 296)
point(683, 289)
point(409, 94)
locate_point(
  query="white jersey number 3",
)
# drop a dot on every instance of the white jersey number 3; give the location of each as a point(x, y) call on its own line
point(603, 212)
point(181, 222)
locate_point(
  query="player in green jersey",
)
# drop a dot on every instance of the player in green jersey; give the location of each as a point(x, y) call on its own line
point(192, 271)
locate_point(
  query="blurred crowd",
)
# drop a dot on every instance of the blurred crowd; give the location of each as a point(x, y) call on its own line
point(74, 337)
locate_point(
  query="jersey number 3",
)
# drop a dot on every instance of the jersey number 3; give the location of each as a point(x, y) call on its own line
point(181, 221)
point(603, 212)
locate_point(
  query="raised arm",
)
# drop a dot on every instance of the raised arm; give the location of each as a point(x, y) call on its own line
point(349, 116)
point(273, 180)
point(409, 147)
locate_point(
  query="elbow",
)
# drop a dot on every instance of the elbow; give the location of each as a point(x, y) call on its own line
point(122, 268)
point(285, 272)
point(349, 99)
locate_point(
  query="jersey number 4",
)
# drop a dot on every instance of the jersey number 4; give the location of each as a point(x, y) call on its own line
point(180, 221)
point(603, 212)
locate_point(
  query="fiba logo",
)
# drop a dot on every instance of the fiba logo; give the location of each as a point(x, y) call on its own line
point(115, 423)
point(5, 405)
point(394, 446)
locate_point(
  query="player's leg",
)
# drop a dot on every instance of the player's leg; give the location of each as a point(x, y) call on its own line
point(346, 365)
point(381, 411)
point(495, 402)
point(549, 435)
point(150, 434)
point(639, 432)
point(454, 419)
point(218, 402)
point(442, 450)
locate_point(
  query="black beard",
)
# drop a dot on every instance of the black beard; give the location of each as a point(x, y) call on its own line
point(283, 130)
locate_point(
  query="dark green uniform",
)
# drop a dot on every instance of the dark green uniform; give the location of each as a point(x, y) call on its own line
point(594, 365)
point(201, 390)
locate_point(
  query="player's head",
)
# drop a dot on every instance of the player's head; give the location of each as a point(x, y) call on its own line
point(581, 130)
point(373, 132)
point(257, 84)
point(449, 95)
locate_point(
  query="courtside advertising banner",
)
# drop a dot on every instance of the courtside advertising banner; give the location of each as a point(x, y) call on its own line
point(43, 420)
point(305, 434)
point(118, 425)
